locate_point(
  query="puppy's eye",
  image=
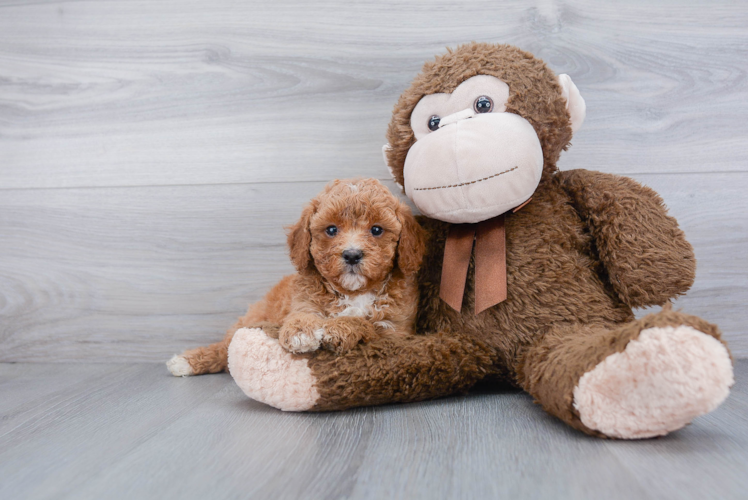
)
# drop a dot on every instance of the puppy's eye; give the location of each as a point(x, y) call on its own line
point(434, 123)
point(483, 104)
point(376, 230)
point(331, 230)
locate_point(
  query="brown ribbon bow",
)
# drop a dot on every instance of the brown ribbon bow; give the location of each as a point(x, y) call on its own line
point(490, 263)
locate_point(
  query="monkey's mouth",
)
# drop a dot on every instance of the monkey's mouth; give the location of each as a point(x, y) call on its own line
point(474, 169)
point(466, 183)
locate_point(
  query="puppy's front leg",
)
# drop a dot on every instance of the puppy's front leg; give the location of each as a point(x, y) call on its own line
point(343, 334)
point(301, 332)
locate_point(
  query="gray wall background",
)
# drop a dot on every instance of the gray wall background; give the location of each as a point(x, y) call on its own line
point(151, 152)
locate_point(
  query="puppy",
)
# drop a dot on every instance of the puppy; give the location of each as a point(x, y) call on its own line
point(357, 250)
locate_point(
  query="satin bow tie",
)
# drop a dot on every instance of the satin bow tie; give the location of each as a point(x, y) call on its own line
point(490, 263)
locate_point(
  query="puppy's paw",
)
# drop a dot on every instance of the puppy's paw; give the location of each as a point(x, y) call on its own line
point(339, 341)
point(343, 334)
point(299, 336)
point(179, 366)
point(300, 342)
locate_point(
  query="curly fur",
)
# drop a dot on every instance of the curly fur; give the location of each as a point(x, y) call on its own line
point(586, 250)
point(317, 307)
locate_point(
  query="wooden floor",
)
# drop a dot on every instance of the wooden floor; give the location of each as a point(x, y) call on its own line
point(132, 431)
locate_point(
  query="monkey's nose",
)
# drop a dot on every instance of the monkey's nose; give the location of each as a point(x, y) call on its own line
point(455, 117)
point(353, 257)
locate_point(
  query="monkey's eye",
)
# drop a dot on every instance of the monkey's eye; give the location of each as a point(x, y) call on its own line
point(434, 123)
point(331, 230)
point(483, 104)
point(376, 231)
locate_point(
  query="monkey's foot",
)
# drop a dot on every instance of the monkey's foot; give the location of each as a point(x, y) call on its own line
point(659, 383)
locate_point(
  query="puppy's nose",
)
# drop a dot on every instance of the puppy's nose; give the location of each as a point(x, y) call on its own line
point(353, 256)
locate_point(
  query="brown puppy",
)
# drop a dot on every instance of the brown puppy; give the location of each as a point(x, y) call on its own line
point(357, 250)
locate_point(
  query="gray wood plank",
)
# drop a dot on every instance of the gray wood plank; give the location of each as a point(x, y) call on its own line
point(489, 442)
point(151, 269)
point(136, 274)
point(115, 93)
point(59, 438)
point(97, 94)
point(674, 457)
point(137, 432)
point(29, 391)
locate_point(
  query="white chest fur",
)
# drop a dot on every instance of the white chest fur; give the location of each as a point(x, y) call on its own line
point(360, 306)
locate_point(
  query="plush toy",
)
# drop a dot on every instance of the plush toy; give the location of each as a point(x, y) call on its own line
point(530, 274)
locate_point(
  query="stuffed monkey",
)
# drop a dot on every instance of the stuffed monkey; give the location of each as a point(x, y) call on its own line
point(530, 275)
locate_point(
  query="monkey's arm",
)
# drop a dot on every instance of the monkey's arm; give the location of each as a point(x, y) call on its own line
point(645, 253)
point(389, 369)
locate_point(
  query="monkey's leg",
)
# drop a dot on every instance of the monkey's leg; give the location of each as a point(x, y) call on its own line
point(385, 370)
point(637, 380)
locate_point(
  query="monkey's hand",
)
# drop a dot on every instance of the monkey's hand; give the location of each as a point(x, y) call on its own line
point(646, 255)
point(343, 334)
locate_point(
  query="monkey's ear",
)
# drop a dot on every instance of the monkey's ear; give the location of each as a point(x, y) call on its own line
point(386, 148)
point(300, 239)
point(575, 104)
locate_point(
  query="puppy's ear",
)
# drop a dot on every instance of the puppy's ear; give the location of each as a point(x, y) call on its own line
point(412, 244)
point(300, 238)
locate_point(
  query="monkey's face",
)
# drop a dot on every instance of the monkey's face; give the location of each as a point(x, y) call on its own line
point(471, 160)
point(478, 130)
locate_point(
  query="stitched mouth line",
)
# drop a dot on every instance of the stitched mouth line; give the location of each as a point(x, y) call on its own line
point(466, 183)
